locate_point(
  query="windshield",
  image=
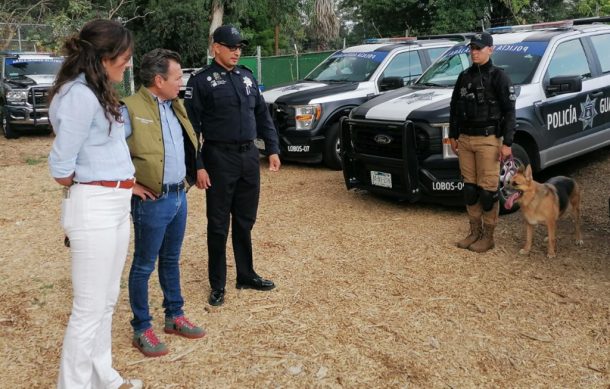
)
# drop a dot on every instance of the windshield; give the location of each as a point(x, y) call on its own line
point(17, 67)
point(519, 61)
point(344, 67)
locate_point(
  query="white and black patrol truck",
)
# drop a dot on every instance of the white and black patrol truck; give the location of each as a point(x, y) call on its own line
point(24, 86)
point(397, 144)
point(307, 112)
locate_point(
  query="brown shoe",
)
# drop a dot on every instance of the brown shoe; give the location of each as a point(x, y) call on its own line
point(131, 384)
point(486, 242)
point(475, 233)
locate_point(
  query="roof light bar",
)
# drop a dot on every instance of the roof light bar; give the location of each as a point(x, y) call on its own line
point(531, 27)
point(402, 39)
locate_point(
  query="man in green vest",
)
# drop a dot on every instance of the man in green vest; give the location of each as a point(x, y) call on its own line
point(166, 154)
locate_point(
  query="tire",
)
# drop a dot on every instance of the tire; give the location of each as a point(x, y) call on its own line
point(522, 159)
point(7, 130)
point(332, 146)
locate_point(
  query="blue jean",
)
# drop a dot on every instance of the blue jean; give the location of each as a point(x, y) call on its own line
point(158, 232)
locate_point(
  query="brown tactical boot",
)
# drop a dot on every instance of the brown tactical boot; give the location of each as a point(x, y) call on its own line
point(475, 233)
point(486, 242)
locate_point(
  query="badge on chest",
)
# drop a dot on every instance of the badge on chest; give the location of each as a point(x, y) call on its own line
point(248, 83)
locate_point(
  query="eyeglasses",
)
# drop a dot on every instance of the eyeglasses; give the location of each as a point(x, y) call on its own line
point(231, 48)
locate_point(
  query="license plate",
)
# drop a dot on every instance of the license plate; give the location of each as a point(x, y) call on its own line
point(381, 179)
point(259, 143)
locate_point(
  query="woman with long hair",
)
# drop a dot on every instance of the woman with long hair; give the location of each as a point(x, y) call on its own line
point(90, 158)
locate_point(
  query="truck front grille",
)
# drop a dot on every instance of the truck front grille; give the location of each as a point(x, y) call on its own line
point(378, 141)
point(385, 139)
point(38, 97)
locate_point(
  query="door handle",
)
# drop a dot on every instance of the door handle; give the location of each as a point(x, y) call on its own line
point(597, 94)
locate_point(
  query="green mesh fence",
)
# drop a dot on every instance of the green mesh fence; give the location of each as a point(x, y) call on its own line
point(284, 68)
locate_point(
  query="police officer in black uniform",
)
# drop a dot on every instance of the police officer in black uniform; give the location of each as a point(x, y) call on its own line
point(482, 125)
point(224, 105)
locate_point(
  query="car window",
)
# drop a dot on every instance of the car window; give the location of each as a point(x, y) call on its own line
point(434, 53)
point(347, 66)
point(18, 67)
point(406, 65)
point(601, 43)
point(446, 70)
point(519, 60)
point(569, 59)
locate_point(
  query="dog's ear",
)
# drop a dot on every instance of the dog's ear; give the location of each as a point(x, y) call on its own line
point(528, 172)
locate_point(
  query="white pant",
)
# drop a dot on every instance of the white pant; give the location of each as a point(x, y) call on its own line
point(96, 219)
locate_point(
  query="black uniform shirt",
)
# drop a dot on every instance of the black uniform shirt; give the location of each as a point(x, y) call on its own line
point(227, 106)
point(499, 88)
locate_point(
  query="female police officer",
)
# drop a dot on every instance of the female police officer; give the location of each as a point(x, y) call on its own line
point(481, 132)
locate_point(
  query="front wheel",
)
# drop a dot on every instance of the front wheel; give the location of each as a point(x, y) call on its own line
point(7, 130)
point(522, 159)
point(332, 147)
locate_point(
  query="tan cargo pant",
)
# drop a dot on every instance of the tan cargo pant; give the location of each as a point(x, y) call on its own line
point(480, 165)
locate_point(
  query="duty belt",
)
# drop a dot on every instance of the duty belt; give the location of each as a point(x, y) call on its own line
point(480, 131)
point(240, 147)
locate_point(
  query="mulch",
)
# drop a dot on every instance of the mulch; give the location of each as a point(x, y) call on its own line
point(371, 292)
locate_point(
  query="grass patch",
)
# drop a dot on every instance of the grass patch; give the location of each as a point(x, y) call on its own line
point(35, 160)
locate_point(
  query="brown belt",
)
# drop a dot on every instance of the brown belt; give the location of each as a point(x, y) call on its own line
point(126, 184)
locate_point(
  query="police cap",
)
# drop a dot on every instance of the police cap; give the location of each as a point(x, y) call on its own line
point(229, 36)
point(482, 39)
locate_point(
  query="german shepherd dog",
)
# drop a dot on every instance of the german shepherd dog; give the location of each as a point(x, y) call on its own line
point(545, 203)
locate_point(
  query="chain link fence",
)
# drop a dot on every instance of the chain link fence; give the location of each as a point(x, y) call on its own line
point(24, 37)
point(284, 68)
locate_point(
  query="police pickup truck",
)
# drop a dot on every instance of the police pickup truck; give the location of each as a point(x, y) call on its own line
point(397, 144)
point(307, 112)
point(24, 86)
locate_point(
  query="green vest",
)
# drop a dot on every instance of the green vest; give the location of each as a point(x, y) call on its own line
point(146, 140)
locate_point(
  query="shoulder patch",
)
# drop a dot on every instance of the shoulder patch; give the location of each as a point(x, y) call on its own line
point(203, 69)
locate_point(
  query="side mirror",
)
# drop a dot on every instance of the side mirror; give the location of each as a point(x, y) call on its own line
point(389, 83)
point(563, 84)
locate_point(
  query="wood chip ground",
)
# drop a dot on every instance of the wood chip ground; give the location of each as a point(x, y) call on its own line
point(371, 293)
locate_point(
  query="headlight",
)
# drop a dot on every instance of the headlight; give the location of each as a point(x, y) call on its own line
point(307, 116)
point(17, 96)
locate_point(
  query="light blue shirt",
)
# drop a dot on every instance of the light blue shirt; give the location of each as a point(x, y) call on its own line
point(86, 142)
point(174, 169)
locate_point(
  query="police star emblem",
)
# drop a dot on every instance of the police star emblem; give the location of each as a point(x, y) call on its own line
point(587, 112)
point(248, 84)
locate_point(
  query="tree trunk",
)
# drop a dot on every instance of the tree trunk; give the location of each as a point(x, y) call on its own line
point(277, 39)
point(325, 24)
point(8, 35)
point(216, 15)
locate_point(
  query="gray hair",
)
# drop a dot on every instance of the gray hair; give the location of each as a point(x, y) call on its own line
point(156, 62)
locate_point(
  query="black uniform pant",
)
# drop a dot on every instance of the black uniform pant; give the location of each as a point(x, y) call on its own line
point(232, 198)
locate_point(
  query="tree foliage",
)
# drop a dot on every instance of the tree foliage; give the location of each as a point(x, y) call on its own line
point(12, 14)
point(279, 25)
point(181, 26)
